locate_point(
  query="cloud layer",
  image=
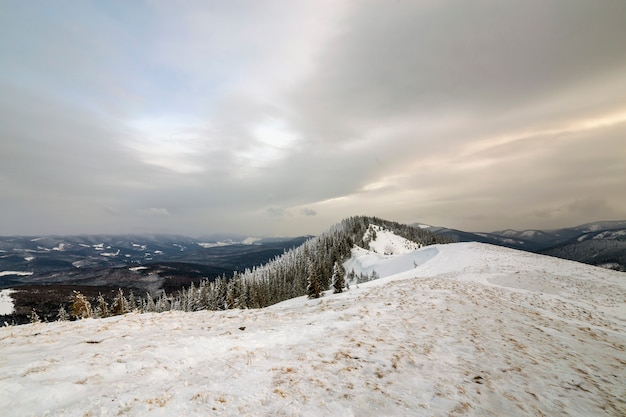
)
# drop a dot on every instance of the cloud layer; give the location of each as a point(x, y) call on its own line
point(283, 117)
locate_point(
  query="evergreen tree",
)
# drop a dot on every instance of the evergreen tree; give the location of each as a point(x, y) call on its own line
point(150, 306)
point(313, 289)
point(120, 304)
point(339, 281)
point(62, 314)
point(34, 317)
point(102, 307)
point(132, 301)
point(80, 307)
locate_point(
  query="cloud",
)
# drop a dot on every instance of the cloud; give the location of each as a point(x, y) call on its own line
point(308, 212)
point(451, 111)
point(277, 212)
point(153, 211)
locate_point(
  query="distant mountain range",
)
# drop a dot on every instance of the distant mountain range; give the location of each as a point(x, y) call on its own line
point(600, 243)
point(131, 260)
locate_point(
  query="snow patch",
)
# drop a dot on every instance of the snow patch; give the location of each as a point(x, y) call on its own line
point(610, 234)
point(251, 240)
point(18, 273)
point(366, 262)
point(6, 302)
point(385, 242)
point(207, 245)
point(60, 247)
point(137, 268)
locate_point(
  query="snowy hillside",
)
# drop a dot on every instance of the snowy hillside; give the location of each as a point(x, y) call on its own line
point(461, 329)
point(388, 254)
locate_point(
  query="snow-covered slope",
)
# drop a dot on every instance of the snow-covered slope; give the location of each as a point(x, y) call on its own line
point(388, 254)
point(469, 329)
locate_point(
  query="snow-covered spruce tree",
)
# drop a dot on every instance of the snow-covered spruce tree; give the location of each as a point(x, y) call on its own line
point(102, 307)
point(313, 289)
point(62, 314)
point(132, 301)
point(80, 307)
point(34, 317)
point(150, 307)
point(120, 304)
point(339, 275)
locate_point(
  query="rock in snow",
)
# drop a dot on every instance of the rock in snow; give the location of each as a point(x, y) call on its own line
point(467, 329)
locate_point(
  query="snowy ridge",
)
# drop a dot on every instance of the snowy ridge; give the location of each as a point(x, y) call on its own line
point(389, 254)
point(385, 242)
point(471, 329)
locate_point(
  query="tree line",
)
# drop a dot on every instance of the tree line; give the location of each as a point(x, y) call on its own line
point(309, 269)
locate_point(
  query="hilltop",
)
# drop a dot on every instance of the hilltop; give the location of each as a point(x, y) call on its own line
point(601, 243)
point(457, 329)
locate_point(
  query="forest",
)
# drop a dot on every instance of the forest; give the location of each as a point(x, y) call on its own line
point(309, 269)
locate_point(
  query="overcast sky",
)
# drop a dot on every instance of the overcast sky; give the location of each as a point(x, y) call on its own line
point(283, 117)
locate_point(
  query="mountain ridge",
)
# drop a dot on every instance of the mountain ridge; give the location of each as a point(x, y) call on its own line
point(473, 329)
point(608, 249)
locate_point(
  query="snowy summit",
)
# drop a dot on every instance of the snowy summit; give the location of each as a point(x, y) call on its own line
point(449, 330)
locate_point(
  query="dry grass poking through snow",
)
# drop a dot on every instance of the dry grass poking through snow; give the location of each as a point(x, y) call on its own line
point(480, 332)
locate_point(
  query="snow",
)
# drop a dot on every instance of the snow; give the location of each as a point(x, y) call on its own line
point(610, 234)
point(511, 241)
point(366, 262)
point(469, 329)
point(137, 268)
point(60, 247)
point(6, 302)
point(251, 240)
point(19, 273)
point(530, 233)
point(388, 243)
point(228, 242)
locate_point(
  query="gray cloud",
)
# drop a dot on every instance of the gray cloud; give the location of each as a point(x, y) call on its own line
point(277, 212)
point(308, 212)
point(465, 114)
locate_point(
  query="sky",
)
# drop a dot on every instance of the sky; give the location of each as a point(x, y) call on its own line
point(281, 118)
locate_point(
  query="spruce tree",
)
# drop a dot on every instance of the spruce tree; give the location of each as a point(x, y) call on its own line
point(34, 317)
point(339, 281)
point(62, 314)
point(120, 304)
point(132, 301)
point(80, 307)
point(102, 307)
point(150, 306)
point(313, 289)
